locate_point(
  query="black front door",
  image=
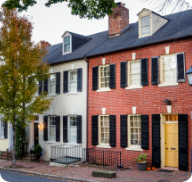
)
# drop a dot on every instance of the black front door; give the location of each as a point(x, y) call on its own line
point(36, 134)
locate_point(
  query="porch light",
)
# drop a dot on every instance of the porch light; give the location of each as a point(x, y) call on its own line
point(169, 106)
point(189, 75)
point(40, 126)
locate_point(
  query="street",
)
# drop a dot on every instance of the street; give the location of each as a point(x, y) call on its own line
point(21, 177)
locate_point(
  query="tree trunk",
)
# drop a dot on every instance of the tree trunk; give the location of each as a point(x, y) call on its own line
point(13, 149)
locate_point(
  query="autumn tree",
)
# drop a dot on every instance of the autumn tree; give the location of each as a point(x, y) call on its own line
point(21, 67)
point(84, 8)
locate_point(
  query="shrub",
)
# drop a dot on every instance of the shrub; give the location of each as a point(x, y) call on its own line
point(38, 149)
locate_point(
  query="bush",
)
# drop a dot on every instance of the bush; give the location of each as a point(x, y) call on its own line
point(38, 149)
point(141, 158)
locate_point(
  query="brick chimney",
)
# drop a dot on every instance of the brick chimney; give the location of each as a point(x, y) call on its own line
point(43, 43)
point(118, 20)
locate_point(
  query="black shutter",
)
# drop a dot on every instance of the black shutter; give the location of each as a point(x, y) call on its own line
point(79, 129)
point(123, 119)
point(95, 78)
point(155, 70)
point(94, 130)
point(183, 142)
point(65, 81)
point(45, 128)
point(58, 83)
point(65, 129)
point(5, 129)
point(181, 67)
point(112, 130)
point(144, 71)
point(123, 74)
point(144, 132)
point(112, 81)
point(156, 157)
point(57, 128)
point(40, 87)
point(45, 85)
point(79, 80)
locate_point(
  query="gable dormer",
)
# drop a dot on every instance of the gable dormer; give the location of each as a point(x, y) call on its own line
point(149, 22)
point(72, 41)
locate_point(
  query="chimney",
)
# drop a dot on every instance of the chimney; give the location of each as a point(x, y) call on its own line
point(118, 20)
point(43, 43)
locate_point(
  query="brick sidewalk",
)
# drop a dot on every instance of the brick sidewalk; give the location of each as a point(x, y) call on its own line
point(85, 173)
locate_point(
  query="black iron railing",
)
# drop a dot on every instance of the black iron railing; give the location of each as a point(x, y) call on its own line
point(102, 157)
point(66, 154)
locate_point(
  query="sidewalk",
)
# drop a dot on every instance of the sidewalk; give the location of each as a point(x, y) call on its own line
point(84, 173)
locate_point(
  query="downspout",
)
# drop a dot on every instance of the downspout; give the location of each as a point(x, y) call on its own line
point(87, 101)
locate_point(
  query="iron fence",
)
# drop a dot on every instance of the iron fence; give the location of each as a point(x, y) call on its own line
point(102, 157)
point(66, 154)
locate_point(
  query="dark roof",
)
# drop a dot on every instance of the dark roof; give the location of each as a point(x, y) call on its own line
point(178, 26)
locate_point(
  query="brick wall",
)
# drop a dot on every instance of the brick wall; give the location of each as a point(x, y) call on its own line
point(119, 19)
point(148, 100)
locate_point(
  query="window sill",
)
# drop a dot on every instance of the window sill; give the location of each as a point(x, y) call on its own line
point(134, 149)
point(52, 95)
point(3, 138)
point(72, 93)
point(167, 84)
point(104, 146)
point(51, 142)
point(72, 143)
point(104, 90)
point(133, 87)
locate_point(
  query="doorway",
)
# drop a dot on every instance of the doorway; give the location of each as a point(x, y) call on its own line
point(36, 134)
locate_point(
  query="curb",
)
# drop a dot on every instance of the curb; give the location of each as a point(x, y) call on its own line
point(46, 175)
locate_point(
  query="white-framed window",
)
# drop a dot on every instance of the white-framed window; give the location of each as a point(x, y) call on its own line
point(52, 128)
point(2, 125)
point(134, 131)
point(104, 76)
point(52, 84)
point(168, 69)
point(73, 81)
point(73, 129)
point(104, 132)
point(67, 44)
point(134, 73)
point(145, 26)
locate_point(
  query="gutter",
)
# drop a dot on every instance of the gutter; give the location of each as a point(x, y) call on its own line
point(140, 46)
point(87, 100)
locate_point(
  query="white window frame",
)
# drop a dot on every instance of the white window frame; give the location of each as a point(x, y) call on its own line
point(2, 125)
point(102, 145)
point(129, 73)
point(49, 85)
point(99, 77)
point(132, 147)
point(69, 82)
point(162, 83)
point(49, 128)
point(140, 25)
point(69, 131)
point(67, 35)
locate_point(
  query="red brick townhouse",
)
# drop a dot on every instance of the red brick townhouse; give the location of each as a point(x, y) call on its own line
point(139, 98)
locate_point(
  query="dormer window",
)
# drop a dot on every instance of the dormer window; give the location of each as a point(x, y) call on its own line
point(145, 25)
point(66, 44)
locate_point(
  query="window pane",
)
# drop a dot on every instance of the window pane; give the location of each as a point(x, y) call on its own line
point(73, 81)
point(104, 76)
point(73, 121)
point(67, 44)
point(52, 128)
point(135, 73)
point(52, 83)
point(104, 129)
point(135, 130)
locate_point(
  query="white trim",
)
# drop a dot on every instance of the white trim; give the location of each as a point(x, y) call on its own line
point(107, 146)
point(52, 95)
point(171, 122)
point(167, 49)
point(51, 142)
point(133, 87)
point(104, 90)
point(134, 148)
point(72, 93)
point(72, 143)
point(167, 84)
point(69, 81)
point(67, 35)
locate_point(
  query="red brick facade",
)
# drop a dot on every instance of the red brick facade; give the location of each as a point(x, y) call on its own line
point(119, 19)
point(148, 100)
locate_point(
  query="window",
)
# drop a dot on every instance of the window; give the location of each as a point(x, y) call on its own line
point(104, 76)
point(104, 130)
point(73, 129)
point(134, 73)
point(168, 69)
point(1, 128)
point(134, 131)
point(52, 83)
point(52, 128)
point(67, 44)
point(145, 25)
point(171, 118)
point(73, 81)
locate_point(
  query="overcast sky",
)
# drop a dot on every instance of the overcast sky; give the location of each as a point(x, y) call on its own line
point(50, 23)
